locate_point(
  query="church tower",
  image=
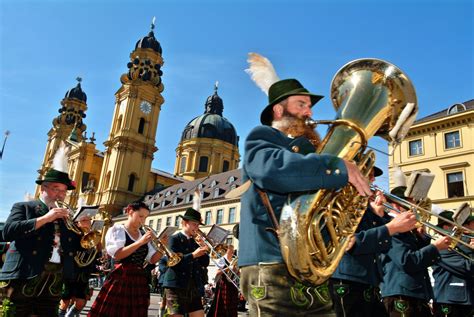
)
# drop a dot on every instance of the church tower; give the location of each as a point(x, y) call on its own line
point(209, 143)
point(131, 141)
point(72, 111)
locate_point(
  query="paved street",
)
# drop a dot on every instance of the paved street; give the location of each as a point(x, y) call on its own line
point(153, 310)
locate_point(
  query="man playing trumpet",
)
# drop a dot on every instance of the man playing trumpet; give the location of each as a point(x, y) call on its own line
point(42, 250)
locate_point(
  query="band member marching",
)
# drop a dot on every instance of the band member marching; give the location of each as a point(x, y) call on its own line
point(42, 249)
point(183, 282)
point(126, 291)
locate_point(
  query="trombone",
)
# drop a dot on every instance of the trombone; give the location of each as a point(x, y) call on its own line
point(217, 253)
point(173, 258)
point(455, 234)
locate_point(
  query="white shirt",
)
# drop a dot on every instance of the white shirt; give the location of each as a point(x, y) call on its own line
point(115, 240)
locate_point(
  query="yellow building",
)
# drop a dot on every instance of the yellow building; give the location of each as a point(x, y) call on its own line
point(122, 173)
point(442, 144)
point(209, 143)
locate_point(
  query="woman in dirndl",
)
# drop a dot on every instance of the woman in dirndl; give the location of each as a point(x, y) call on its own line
point(126, 291)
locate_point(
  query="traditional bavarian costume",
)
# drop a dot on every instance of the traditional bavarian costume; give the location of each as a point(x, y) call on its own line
point(125, 291)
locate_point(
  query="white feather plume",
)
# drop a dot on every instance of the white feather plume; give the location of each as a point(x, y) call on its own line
point(261, 71)
point(197, 200)
point(60, 160)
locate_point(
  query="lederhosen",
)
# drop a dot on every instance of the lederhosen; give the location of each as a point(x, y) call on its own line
point(125, 291)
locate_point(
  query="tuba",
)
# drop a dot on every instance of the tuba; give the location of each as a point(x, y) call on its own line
point(371, 97)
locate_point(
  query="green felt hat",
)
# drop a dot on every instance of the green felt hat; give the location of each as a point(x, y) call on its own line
point(54, 176)
point(192, 215)
point(281, 90)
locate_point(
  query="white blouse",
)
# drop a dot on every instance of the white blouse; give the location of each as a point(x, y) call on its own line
point(115, 239)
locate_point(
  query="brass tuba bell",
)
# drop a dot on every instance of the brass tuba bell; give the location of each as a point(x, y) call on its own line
point(370, 96)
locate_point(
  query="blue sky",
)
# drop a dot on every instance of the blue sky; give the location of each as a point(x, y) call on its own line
point(45, 45)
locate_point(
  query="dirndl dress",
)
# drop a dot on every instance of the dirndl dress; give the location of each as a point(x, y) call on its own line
point(125, 292)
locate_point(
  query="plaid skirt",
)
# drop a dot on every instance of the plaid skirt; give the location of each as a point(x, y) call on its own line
point(125, 293)
point(226, 299)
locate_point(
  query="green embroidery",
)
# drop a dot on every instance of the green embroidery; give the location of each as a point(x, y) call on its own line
point(8, 308)
point(401, 306)
point(258, 292)
point(368, 295)
point(298, 296)
point(56, 287)
point(341, 290)
point(322, 292)
point(445, 309)
point(29, 289)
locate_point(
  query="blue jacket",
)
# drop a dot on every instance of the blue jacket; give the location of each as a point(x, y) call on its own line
point(272, 166)
point(30, 249)
point(454, 278)
point(179, 275)
point(361, 263)
point(405, 266)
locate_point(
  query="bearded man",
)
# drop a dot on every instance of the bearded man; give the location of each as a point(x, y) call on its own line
point(280, 159)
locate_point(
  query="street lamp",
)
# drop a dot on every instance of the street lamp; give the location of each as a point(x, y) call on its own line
point(7, 133)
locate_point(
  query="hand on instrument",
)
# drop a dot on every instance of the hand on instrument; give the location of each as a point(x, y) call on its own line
point(56, 213)
point(442, 243)
point(200, 252)
point(403, 222)
point(357, 179)
point(146, 237)
point(376, 202)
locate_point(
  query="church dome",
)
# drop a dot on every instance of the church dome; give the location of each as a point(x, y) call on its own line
point(76, 92)
point(211, 124)
point(149, 41)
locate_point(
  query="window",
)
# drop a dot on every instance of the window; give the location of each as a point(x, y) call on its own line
point(225, 166)
point(415, 147)
point(231, 180)
point(168, 221)
point(220, 216)
point(176, 222)
point(203, 160)
point(216, 192)
point(455, 184)
point(452, 140)
point(182, 166)
point(141, 126)
point(229, 241)
point(231, 214)
point(131, 182)
point(150, 223)
point(208, 218)
point(456, 108)
point(158, 225)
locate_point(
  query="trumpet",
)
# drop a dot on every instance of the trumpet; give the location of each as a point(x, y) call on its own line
point(421, 214)
point(70, 225)
point(173, 258)
point(216, 253)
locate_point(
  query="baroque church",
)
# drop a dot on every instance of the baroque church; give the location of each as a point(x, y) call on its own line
point(207, 156)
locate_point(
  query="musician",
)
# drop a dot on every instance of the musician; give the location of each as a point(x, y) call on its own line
point(76, 292)
point(406, 287)
point(41, 252)
point(454, 279)
point(183, 282)
point(226, 295)
point(354, 286)
point(126, 291)
point(280, 159)
point(162, 267)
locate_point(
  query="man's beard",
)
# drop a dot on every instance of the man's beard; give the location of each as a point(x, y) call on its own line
point(296, 127)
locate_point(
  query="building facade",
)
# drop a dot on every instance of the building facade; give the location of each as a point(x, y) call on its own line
point(441, 144)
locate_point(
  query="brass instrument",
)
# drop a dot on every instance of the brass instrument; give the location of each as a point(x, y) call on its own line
point(90, 242)
point(173, 258)
point(70, 225)
point(422, 214)
point(215, 254)
point(315, 227)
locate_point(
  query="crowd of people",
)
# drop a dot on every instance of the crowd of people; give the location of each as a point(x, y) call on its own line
point(383, 271)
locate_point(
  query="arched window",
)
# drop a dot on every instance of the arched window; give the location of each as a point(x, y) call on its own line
point(203, 161)
point(131, 182)
point(141, 126)
point(225, 166)
point(119, 124)
point(182, 166)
